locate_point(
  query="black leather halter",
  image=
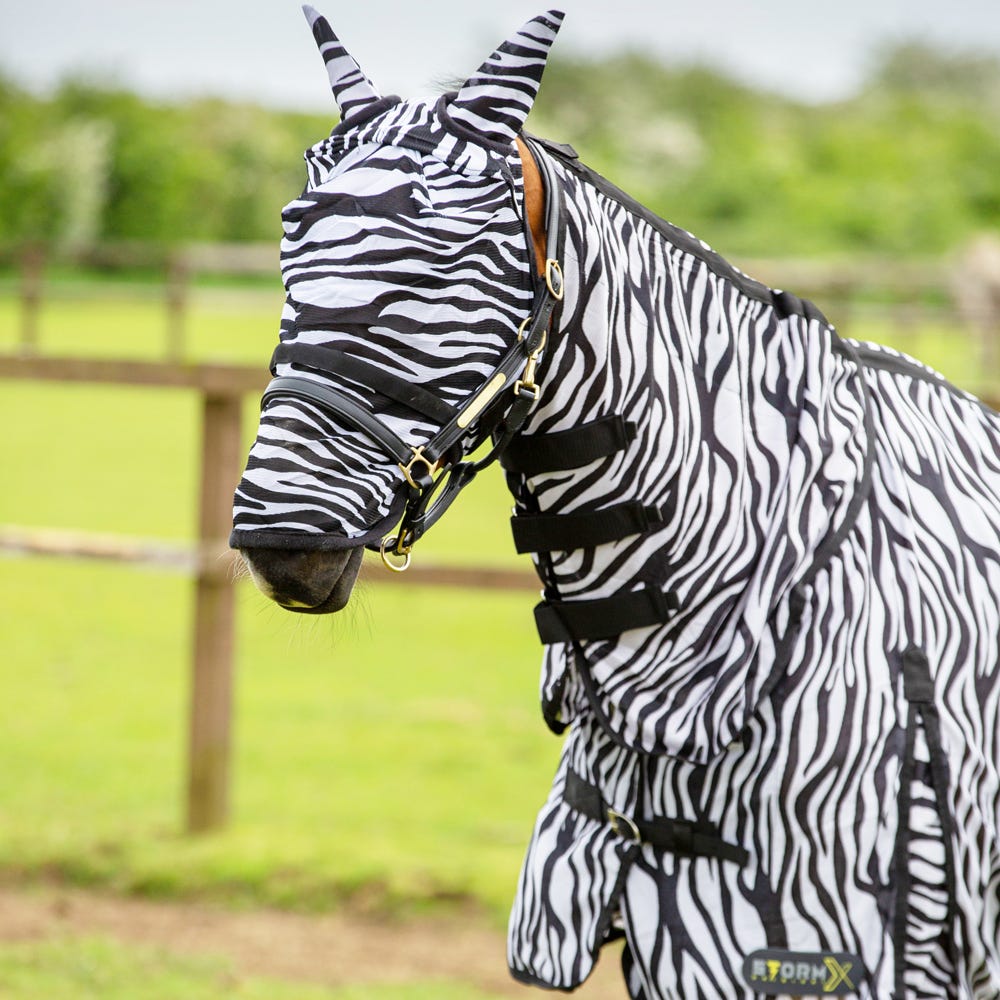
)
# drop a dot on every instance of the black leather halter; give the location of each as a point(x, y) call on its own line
point(515, 373)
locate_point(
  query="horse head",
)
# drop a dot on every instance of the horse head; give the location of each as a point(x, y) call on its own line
point(413, 305)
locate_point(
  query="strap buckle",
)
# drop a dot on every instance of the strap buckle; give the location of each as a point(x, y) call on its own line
point(630, 831)
point(554, 279)
point(419, 456)
point(527, 379)
point(529, 387)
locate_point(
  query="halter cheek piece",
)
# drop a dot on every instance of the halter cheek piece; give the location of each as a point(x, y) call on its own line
point(421, 463)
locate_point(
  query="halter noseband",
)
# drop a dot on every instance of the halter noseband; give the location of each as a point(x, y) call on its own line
point(419, 464)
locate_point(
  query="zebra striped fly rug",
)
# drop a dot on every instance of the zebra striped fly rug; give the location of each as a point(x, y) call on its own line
point(770, 555)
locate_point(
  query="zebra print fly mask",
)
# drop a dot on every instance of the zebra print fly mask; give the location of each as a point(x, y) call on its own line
point(414, 317)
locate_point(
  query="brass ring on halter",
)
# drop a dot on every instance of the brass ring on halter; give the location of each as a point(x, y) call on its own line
point(392, 540)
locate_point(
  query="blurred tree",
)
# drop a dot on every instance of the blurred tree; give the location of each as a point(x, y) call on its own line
point(909, 166)
point(921, 69)
point(27, 181)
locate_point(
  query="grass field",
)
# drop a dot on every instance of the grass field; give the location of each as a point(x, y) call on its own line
point(394, 767)
point(95, 968)
point(391, 759)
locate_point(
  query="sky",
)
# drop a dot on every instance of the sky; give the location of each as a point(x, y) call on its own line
point(261, 50)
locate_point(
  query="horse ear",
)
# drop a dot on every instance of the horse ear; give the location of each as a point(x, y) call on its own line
point(352, 89)
point(495, 101)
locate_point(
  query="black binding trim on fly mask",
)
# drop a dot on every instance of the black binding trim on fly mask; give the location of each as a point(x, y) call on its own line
point(317, 541)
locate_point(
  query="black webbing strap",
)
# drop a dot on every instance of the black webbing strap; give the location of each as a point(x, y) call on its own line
point(536, 453)
point(603, 617)
point(583, 529)
point(328, 361)
point(918, 689)
point(688, 838)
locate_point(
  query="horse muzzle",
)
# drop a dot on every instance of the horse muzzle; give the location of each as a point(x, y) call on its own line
point(308, 581)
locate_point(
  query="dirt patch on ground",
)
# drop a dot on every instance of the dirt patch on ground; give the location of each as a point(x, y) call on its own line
point(334, 949)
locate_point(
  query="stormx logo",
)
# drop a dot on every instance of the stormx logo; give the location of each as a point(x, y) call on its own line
point(802, 972)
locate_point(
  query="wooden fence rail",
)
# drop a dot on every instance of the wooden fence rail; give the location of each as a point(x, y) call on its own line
point(173, 267)
point(962, 290)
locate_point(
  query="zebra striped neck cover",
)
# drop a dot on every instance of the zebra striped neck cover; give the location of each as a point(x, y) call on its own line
point(719, 378)
point(823, 709)
point(408, 249)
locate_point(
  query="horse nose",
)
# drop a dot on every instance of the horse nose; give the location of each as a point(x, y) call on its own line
point(304, 580)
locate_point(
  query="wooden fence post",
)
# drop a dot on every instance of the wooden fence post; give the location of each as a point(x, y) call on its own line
point(975, 286)
point(212, 665)
point(32, 272)
point(176, 288)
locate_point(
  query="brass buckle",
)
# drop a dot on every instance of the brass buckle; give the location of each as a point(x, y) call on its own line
point(530, 386)
point(393, 540)
point(556, 288)
point(418, 456)
point(615, 818)
point(527, 379)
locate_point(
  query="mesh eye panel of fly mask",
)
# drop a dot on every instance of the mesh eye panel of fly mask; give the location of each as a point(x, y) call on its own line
point(406, 254)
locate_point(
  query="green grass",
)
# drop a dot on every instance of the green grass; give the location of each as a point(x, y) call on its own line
point(98, 968)
point(392, 757)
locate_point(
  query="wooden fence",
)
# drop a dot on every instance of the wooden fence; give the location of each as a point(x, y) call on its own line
point(221, 388)
point(173, 268)
point(962, 290)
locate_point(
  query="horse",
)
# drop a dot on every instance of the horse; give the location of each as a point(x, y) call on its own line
point(769, 554)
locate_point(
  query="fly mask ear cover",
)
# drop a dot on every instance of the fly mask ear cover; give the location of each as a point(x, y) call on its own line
point(339, 350)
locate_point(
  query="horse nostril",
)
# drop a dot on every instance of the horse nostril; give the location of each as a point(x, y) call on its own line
point(304, 580)
point(299, 593)
point(290, 577)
